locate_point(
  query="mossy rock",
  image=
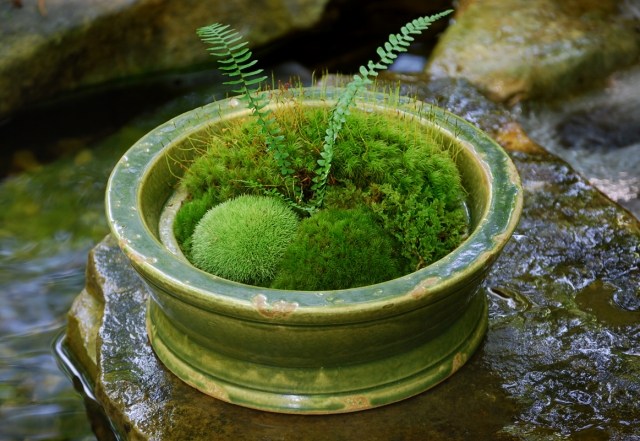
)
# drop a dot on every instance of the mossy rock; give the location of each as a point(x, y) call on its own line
point(521, 49)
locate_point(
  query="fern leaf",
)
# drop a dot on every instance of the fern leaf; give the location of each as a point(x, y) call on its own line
point(237, 64)
point(237, 46)
point(244, 58)
point(388, 52)
point(389, 48)
point(252, 73)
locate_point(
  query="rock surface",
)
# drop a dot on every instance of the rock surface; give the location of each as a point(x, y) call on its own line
point(518, 49)
point(597, 132)
point(560, 358)
point(51, 46)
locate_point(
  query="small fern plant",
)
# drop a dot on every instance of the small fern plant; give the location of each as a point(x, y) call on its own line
point(235, 62)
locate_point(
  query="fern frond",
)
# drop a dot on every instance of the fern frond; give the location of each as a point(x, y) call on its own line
point(237, 64)
point(387, 52)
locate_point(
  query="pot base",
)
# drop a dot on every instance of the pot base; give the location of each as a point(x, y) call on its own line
point(322, 389)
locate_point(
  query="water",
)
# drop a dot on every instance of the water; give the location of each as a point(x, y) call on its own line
point(36, 400)
point(50, 218)
point(42, 258)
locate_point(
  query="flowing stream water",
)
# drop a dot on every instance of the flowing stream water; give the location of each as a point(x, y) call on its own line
point(51, 217)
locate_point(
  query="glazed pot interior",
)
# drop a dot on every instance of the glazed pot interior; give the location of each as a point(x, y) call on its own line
point(162, 177)
point(148, 176)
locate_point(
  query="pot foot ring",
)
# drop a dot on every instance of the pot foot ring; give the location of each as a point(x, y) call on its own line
point(319, 390)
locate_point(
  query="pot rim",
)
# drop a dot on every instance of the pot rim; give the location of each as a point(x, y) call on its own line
point(171, 274)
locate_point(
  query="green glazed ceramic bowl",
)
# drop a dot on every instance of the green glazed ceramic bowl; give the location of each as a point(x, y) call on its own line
point(302, 351)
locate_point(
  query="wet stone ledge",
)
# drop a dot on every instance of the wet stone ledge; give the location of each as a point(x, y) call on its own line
point(560, 358)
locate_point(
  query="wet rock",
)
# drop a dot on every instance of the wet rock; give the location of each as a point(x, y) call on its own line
point(598, 132)
point(518, 49)
point(568, 351)
point(560, 359)
point(146, 401)
point(51, 46)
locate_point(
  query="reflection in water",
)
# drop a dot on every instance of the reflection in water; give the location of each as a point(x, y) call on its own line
point(100, 424)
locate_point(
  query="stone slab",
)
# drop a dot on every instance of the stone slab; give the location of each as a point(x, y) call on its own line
point(560, 358)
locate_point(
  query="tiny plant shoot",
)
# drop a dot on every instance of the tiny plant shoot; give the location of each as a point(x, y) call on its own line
point(235, 61)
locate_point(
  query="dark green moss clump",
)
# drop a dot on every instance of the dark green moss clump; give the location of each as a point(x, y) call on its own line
point(338, 248)
point(391, 173)
point(188, 217)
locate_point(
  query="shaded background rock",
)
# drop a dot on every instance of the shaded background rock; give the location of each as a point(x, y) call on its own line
point(598, 132)
point(519, 49)
point(53, 47)
point(78, 43)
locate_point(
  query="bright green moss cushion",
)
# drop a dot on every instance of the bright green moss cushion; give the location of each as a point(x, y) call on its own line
point(243, 239)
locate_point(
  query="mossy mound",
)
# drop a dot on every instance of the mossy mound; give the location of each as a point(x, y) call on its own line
point(243, 239)
point(338, 248)
point(394, 167)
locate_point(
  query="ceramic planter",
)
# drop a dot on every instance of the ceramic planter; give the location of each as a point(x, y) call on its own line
point(301, 351)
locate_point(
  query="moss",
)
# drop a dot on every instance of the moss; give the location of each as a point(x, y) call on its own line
point(243, 239)
point(188, 217)
point(424, 226)
point(393, 166)
point(338, 248)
